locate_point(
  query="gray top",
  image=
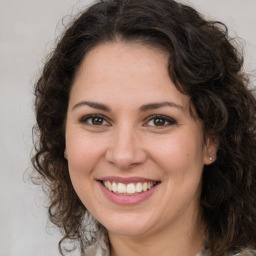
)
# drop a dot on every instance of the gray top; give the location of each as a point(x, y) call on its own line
point(101, 248)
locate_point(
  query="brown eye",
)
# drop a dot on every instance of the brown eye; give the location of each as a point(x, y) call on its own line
point(160, 121)
point(96, 120)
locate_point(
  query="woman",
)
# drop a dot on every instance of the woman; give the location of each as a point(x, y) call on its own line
point(147, 134)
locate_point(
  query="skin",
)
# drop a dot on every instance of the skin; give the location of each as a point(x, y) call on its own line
point(128, 141)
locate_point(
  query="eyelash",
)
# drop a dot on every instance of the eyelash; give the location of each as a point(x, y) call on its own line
point(166, 119)
point(85, 120)
point(161, 118)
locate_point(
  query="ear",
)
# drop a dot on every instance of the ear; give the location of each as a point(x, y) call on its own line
point(65, 154)
point(210, 151)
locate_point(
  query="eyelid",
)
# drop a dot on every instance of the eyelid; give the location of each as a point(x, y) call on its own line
point(170, 120)
point(85, 118)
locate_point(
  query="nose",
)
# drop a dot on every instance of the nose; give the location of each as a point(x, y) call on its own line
point(125, 149)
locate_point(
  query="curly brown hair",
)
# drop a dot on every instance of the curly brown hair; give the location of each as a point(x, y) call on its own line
point(205, 64)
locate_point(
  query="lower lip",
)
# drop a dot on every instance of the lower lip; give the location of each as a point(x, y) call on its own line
point(127, 200)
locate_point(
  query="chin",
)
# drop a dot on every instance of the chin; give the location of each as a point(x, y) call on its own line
point(128, 228)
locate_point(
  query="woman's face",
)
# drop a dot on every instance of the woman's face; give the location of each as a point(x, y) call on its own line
point(134, 151)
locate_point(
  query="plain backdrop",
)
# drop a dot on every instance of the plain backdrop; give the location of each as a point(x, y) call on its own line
point(28, 29)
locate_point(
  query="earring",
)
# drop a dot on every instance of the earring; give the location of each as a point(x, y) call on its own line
point(210, 158)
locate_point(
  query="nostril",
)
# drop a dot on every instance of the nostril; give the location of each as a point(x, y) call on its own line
point(125, 157)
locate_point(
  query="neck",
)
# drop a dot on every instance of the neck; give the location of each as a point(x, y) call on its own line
point(179, 242)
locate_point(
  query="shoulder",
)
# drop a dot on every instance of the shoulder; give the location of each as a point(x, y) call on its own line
point(100, 247)
point(246, 252)
point(243, 252)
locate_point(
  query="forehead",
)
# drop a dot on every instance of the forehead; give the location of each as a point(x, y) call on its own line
point(104, 57)
point(116, 69)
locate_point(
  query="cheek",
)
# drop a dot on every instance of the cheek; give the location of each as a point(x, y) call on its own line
point(180, 152)
point(83, 154)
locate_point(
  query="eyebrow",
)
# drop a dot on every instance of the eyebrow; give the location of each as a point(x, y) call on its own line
point(157, 105)
point(143, 108)
point(94, 105)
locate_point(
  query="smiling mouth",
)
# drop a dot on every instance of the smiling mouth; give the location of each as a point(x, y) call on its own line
point(128, 189)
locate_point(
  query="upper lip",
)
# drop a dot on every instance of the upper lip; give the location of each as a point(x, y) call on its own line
point(126, 180)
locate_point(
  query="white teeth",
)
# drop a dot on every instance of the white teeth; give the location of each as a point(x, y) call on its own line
point(129, 189)
point(109, 185)
point(114, 187)
point(139, 187)
point(121, 188)
point(145, 186)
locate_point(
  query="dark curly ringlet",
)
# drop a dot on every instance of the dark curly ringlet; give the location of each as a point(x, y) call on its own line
point(204, 63)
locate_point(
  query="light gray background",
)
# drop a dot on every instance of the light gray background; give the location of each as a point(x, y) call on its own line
point(28, 29)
